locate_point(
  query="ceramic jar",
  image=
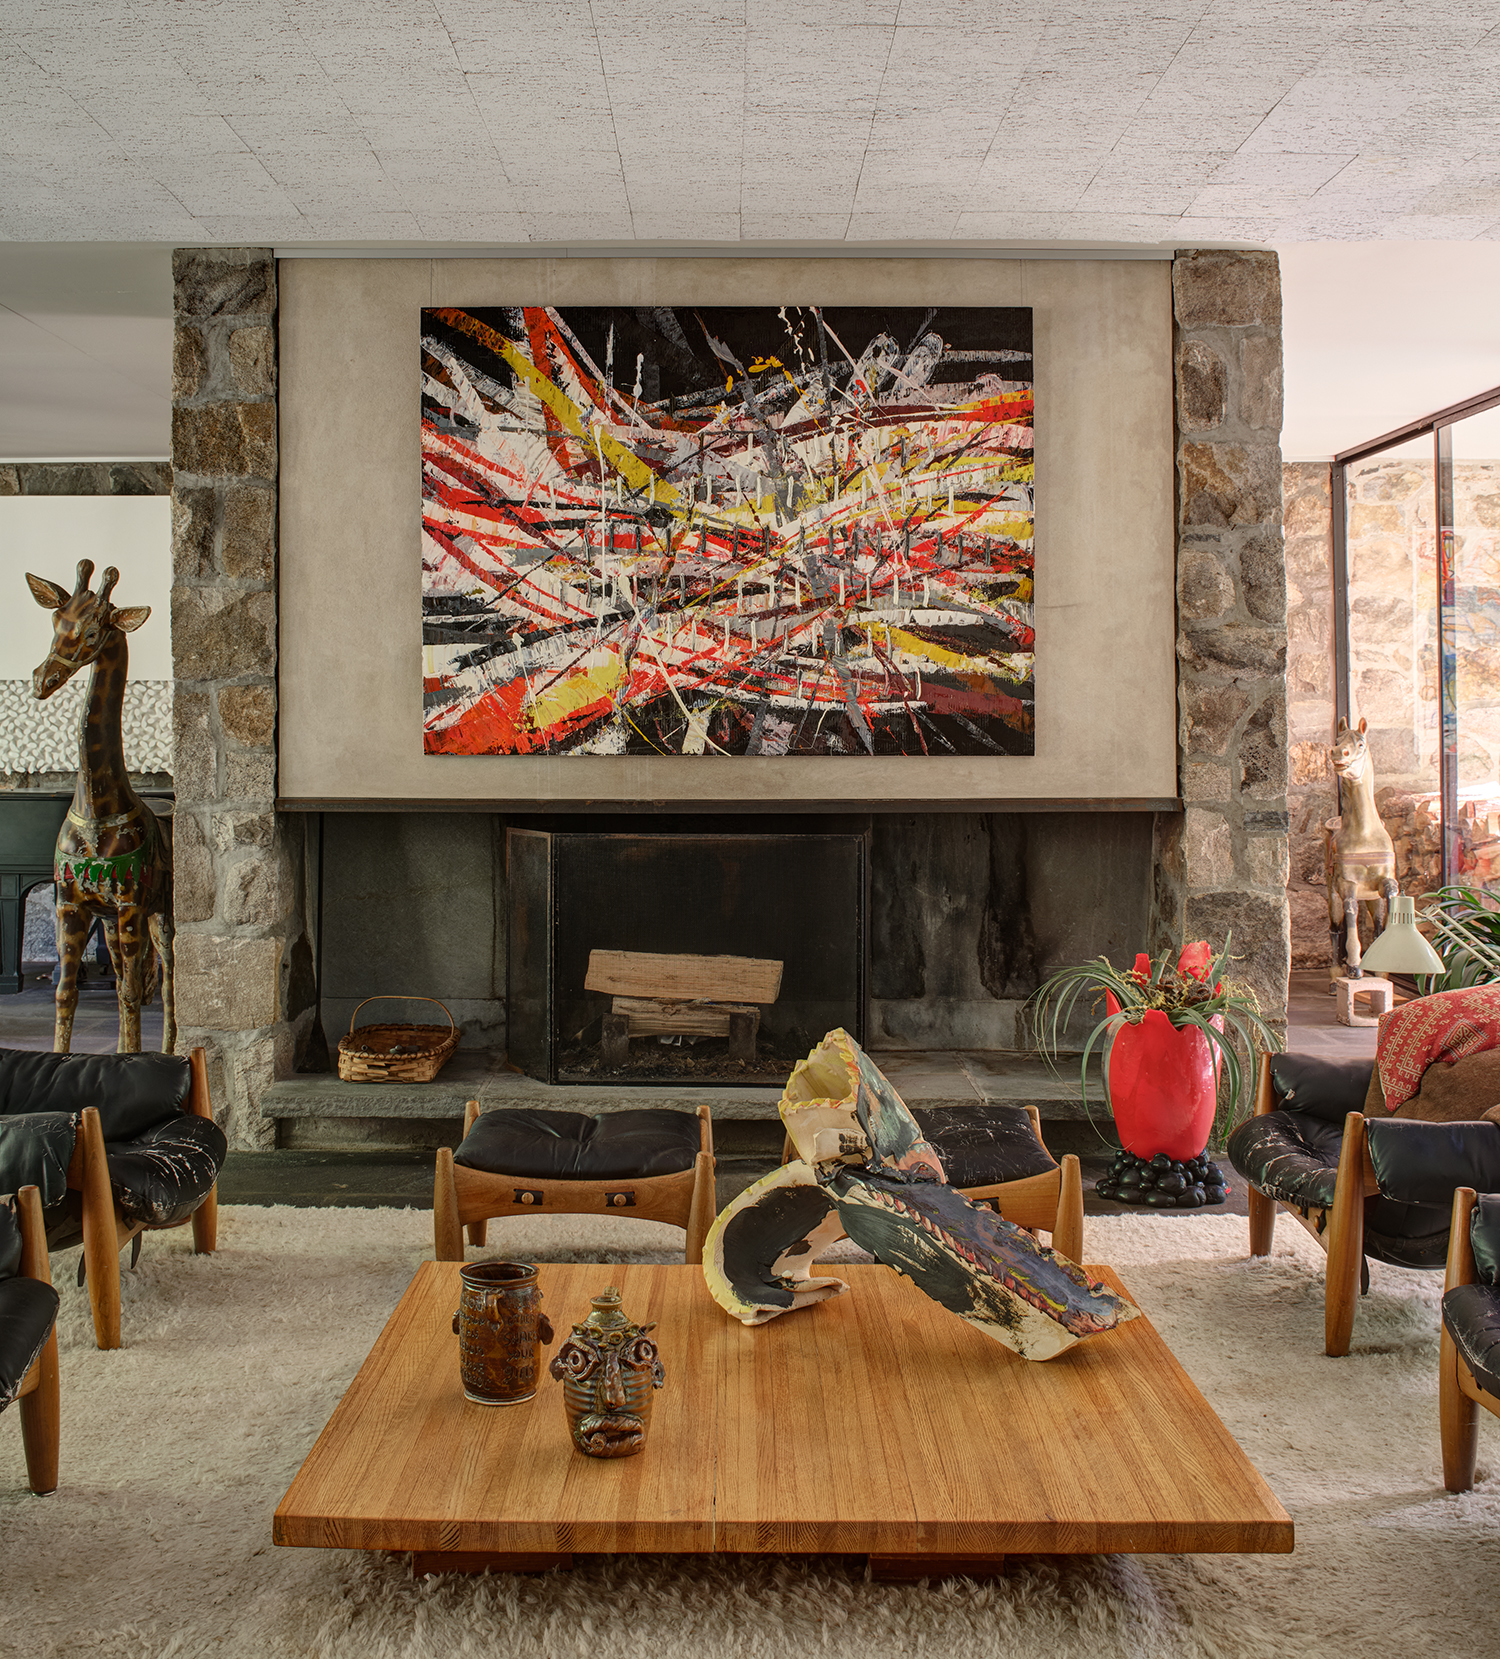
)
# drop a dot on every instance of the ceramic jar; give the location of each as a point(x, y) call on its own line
point(610, 1371)
point(501, 1327)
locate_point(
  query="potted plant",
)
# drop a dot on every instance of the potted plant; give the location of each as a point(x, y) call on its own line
point(1173, 1034)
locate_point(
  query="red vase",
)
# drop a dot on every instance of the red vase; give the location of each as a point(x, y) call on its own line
point(1163, 1084)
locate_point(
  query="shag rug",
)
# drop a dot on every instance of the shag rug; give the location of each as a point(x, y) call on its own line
point(177, 1448)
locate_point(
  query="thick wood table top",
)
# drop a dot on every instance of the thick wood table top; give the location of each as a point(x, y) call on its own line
point(872, 1423)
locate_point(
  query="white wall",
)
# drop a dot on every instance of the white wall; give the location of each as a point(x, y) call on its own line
point(49, 534)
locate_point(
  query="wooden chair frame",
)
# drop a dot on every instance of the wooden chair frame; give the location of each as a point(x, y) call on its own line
point(1051, 1202)
point(1459, 1394)
point(1339, 1229)
point(40, 1400)
point(105, 1229)
point(472, 1197)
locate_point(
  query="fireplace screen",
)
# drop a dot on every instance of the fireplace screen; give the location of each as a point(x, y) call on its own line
point(678, 958)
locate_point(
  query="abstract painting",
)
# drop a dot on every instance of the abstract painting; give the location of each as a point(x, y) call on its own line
point(751, 530)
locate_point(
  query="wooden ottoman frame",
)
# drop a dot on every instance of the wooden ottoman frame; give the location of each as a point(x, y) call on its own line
point(463, 1197)
point(1051, 1202)
point(1338, 1229)
point(39, 1397)
point(105, 1229)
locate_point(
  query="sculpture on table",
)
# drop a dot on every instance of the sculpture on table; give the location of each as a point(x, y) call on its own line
point(610, 1370)
point(863, 1169)
point(1359, 855)
point(114, 855)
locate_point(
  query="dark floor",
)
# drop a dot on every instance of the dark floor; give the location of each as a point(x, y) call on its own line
point(746, 1150)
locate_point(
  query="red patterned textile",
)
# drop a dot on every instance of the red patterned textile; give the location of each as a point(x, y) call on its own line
point(1444, 1027)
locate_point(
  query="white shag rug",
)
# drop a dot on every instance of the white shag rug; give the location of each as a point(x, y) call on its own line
point(177, 1448)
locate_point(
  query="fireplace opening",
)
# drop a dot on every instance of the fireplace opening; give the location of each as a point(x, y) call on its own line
point(682, 958)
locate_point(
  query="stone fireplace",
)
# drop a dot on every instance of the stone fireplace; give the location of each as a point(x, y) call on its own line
point(286, 917)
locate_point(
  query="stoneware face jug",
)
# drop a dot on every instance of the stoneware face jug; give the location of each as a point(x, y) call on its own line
point(501, 1327)
point(610, 1371)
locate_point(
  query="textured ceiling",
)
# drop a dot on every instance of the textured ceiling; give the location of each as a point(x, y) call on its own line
point(506, 121)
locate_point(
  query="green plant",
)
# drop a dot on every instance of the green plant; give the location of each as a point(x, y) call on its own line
point(1465, 924)
point(1190, 992)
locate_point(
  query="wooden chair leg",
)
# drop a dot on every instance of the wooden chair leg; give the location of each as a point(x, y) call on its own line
point(703, 1208)
point(478, 1231)
point(206, 1223)
point(1458, 1415)
point(101, 1241)
point(1067, 1233)
point(447, 1234)
point(206, 1216)
point(41, 1404)
point(1262, 1222)
point(1346, 1238)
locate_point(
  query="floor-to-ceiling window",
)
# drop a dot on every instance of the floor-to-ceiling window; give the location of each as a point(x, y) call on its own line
point(1417, 619)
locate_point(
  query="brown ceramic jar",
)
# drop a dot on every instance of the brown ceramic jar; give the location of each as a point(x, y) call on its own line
point(610, 1371)
point(501, 1327)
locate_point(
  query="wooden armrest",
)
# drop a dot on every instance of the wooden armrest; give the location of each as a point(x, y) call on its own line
point(706, 1130)
point(1265, 1096)
point(34, 1262)
point(1461, 1270)
point(198, 1101)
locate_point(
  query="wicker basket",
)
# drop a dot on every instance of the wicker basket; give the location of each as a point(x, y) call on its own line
point(396, 1053)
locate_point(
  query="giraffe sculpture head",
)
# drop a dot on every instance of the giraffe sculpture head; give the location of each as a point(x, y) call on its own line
point(84, 626)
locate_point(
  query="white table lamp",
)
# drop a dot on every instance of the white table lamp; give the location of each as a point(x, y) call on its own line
point(1401, 949)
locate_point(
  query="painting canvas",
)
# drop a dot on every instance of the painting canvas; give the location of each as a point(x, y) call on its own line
point(750, 530)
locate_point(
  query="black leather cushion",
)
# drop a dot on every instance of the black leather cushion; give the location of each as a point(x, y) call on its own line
point(980, 1145)
point(1484, 1235)
point(1421, 1163)
point(27, 1311)
point(1471, 1314)
point(35, 1149)
point(1326, 1089)
point(572, 1146)
point(132, 1091)
point(1406, 1235)
point(161, 1177)
point(1290, 1156)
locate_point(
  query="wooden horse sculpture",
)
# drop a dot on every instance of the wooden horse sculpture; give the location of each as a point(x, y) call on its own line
point(1359, 855)
point(114, 855)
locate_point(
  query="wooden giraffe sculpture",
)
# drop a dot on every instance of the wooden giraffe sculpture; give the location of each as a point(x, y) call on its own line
point(114, 855)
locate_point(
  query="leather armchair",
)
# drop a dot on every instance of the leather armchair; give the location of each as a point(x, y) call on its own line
point(118, 1145)
point(28, 1334)
point(1362, 1187)
point(1469, 1359)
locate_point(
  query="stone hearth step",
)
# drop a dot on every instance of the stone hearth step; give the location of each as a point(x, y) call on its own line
point(312, 1110)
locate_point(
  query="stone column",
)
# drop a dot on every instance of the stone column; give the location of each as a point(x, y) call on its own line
point(1222, 862)
point(236, 865)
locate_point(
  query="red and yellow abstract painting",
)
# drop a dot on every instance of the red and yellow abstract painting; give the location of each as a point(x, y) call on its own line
point(750, 530)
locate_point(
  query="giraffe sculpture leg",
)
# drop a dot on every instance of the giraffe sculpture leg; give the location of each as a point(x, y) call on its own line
point(130, 977)
point(161, 936)
point(73, 924)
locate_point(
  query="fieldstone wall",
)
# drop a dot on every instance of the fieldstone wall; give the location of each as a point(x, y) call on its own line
point(1222, 864)
point(238, 866)
point(1310, 795)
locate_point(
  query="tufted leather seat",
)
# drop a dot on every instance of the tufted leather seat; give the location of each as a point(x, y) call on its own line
point(650, 1165)
point(27, 1312)
point(573, 1146)
point(159, 1151)
point(983, 1145)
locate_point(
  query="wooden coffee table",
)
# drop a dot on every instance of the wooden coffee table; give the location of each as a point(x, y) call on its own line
point(874, 1424)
